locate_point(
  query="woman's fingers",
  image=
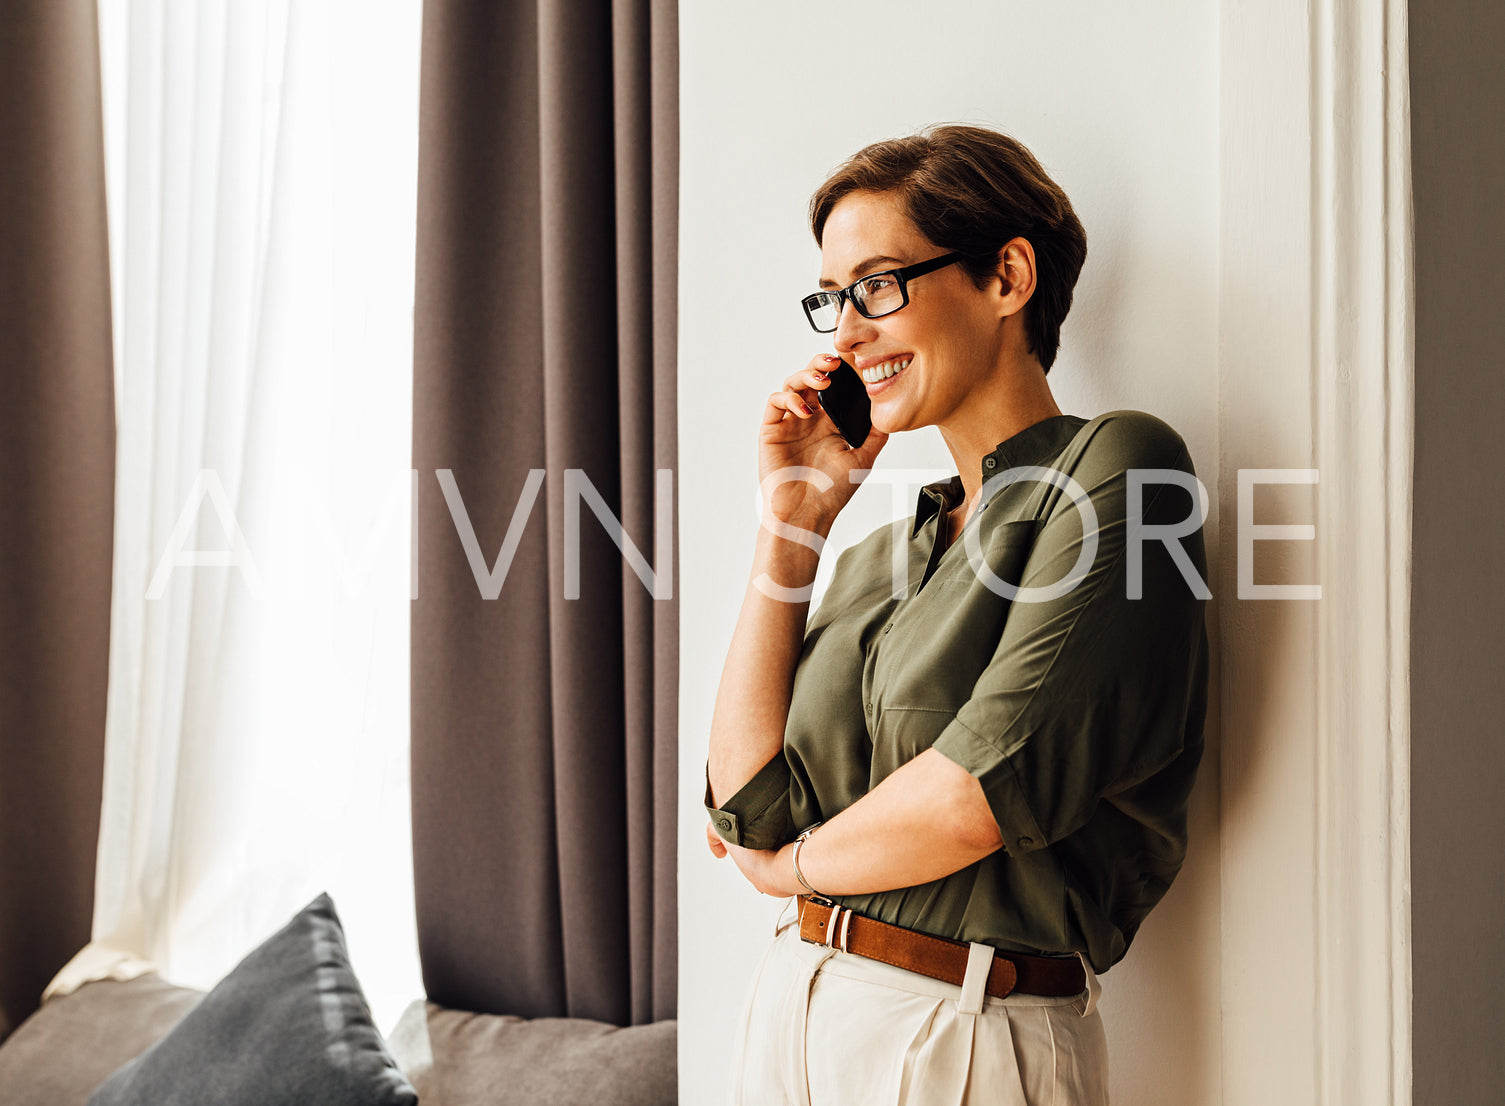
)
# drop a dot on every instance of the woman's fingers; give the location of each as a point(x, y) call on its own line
point(713, 840)
point(815, 372)
point(795, 396)
point(792, 402)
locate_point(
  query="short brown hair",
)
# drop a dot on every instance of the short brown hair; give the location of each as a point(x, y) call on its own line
point(972, 190)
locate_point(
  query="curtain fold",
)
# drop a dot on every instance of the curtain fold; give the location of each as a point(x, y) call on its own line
point(543, 748)
point(57, 457)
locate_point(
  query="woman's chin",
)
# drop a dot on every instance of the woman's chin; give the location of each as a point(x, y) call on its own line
point(890, 418)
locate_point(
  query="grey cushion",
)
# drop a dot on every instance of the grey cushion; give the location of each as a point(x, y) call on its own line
point(288, 1027)
point(70, 1046)
point(460, 1059)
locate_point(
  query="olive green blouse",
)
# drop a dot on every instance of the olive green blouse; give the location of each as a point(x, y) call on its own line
point(1078, 708)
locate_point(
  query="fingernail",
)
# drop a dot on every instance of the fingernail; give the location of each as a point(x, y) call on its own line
point(832, 357)
point(805, 407)
point(819, 375)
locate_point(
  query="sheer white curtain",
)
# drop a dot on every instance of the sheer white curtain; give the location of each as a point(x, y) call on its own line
point(262, 179)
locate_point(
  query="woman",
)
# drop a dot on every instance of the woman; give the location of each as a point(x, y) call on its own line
point(976, 793)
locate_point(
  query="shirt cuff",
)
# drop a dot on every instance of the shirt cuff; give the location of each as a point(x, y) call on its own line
point(757, 816)
point(991, 768)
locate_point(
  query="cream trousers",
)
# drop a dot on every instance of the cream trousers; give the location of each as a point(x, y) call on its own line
point(822, 1027)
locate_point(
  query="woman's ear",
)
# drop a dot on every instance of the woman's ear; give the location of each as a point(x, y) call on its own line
point(1016, 275)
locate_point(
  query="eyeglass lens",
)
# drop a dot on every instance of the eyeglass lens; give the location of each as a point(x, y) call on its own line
point(877, 295)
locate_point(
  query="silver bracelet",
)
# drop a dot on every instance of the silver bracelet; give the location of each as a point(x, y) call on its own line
point(795, 859)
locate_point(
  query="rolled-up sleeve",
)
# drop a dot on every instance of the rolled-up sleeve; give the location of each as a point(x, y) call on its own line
point(758, 815)
point(1092, 693)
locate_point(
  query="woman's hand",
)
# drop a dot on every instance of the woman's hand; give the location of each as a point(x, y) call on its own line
point(713, 841)
point(797, 433)
point(769, 870)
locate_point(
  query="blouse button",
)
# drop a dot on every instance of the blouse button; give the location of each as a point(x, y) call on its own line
point(991, 463)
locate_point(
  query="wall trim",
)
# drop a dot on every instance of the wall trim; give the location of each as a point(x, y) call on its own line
point(1364, 398)
point(1316, 370)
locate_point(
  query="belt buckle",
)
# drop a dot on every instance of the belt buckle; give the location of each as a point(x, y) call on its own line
point(839, 921)
point(818, 900)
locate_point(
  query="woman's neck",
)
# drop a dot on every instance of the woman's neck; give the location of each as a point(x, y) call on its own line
point(1000, 406)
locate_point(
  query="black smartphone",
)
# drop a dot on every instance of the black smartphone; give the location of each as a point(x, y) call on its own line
point(845, 400)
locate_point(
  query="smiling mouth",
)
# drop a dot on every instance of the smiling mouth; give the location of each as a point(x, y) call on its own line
point(885, 370)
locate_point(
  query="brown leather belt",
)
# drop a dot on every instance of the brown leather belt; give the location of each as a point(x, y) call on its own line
point(937, 957)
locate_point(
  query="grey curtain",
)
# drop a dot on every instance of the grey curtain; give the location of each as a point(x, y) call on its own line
point(57, 471)
point(544, 727)
point(1457, 587)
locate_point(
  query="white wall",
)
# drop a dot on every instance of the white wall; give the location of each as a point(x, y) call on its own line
point(1120, 103)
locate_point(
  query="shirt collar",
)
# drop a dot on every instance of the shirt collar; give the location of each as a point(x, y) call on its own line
point(1029, 446)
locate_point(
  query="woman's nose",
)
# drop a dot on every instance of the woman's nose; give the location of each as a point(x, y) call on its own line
point(851, 328)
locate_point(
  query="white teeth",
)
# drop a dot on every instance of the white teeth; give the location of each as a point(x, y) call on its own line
point(884, 371)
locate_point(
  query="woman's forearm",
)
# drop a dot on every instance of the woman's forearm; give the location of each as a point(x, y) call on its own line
point(925, 821)
point(752, 700)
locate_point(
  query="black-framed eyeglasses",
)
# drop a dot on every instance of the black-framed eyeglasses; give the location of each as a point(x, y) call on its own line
point(874, 296)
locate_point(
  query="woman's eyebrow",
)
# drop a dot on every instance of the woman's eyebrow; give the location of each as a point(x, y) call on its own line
point(858, 270)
